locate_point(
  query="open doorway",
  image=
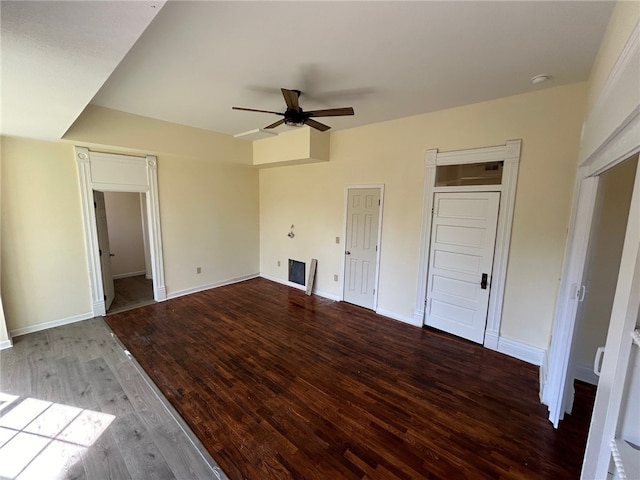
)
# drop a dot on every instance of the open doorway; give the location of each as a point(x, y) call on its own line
point(597, 289)
point(125, 259)
point(107, 172)
point(604, 254)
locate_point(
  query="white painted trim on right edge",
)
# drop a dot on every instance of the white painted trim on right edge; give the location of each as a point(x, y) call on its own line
point(6, 344)
point(52, 324)
point(621, 86)
point(543, 372)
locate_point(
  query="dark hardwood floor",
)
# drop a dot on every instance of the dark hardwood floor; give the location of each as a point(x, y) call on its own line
point(277, 384)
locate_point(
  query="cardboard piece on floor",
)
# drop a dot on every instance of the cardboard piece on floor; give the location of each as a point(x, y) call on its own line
point(312, 275)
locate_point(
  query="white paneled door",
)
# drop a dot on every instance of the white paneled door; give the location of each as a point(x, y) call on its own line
point(463, 235)
point(105, 250)
point(361, 246)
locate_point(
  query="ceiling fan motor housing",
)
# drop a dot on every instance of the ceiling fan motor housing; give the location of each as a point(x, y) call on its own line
point(293, 117)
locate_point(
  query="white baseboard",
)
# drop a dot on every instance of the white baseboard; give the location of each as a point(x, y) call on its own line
point(402, 318)
point(209, 286)
point(162, 293)
point(297, 286)
point(6, 344)
point(418, 319)
point(99, 309)
point(54, 323)
point(521, 351)
point(328, 296)
point(491, 340)
point(544, 369)
point(130, 274)
point(584, 373)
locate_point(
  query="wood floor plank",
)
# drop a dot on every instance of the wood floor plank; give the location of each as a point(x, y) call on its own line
point(84, 371)
point(140, 453)
point(185, 463)
point(77, 389)
point(103, 461)
point(277, 384)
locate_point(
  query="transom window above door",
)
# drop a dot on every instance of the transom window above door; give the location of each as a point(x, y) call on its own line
point(488, 173)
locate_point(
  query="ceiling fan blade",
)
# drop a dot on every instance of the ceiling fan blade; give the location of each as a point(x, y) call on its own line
point(291, 99)
point(275, 124)
point(331, 112)
point(317, 125)
point(254, 110)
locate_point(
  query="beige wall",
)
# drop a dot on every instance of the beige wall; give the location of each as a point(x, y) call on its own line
point(44, 268)
point(607, 109)
point(4, 332)
point(124, 221)
point(610, 222)
point(392, 153)
point(623, 19)
point(208, 200)
point(122, 132)
point(209, 216)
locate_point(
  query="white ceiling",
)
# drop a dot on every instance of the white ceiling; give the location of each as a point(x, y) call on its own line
point(55, 57)
point(386, 59)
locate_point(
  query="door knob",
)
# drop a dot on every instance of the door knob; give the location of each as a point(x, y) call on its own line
point(483, 282)
point(347, 252)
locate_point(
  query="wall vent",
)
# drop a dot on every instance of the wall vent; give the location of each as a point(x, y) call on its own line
point(296, 271)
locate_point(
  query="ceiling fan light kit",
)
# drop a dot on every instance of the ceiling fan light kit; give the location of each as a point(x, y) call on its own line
point(295, 116)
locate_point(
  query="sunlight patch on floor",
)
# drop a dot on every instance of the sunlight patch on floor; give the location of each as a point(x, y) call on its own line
point(43, 440)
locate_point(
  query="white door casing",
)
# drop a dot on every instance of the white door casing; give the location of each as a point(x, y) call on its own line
point(108, 172)
point(361, 245)
point(463, 235)
point(102, 230)
point(612, 138)
point(509, 154)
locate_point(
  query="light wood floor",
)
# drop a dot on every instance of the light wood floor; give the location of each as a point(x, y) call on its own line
point(83, 410)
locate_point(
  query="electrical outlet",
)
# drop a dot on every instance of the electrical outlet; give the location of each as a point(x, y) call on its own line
point(198, 270)
point(337, 239)
point(335, 278)
point(278, 262)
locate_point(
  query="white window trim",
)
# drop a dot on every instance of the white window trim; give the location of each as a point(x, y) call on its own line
point(509, 153)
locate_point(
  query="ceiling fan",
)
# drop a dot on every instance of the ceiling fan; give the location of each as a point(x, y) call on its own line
point(294, 115)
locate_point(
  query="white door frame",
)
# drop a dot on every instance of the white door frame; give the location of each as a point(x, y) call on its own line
point(617, 149)
point(110, 172)
point(379, 239)
point(509, 153)
point(622, 143)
